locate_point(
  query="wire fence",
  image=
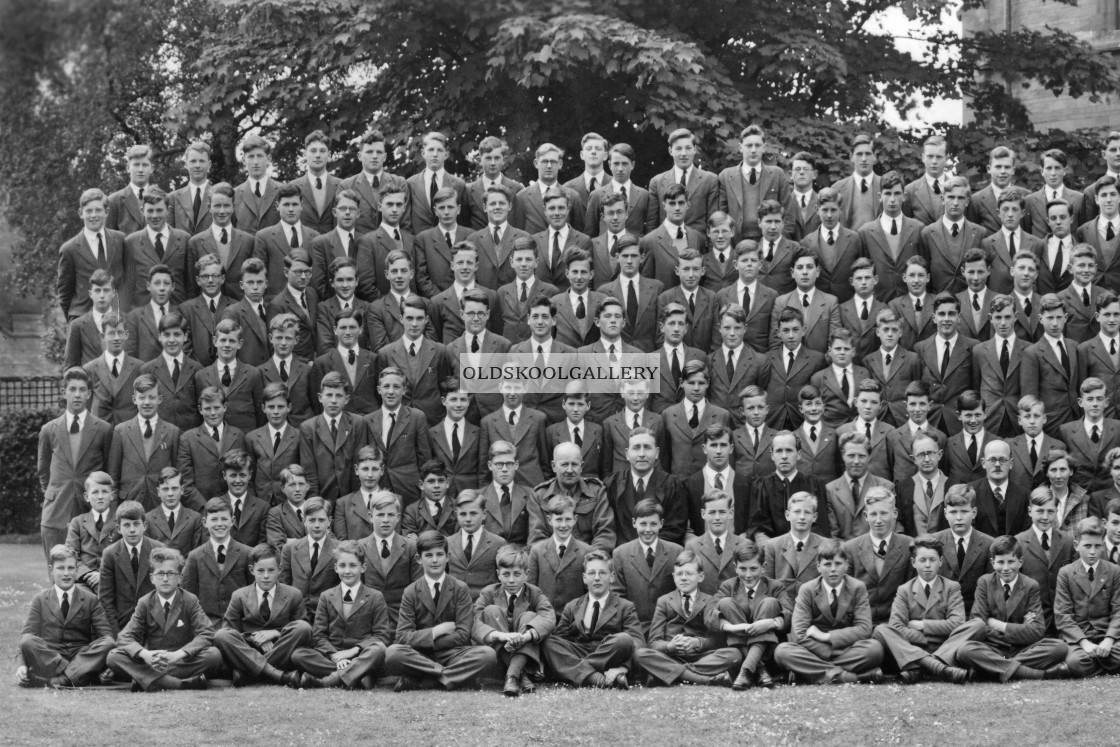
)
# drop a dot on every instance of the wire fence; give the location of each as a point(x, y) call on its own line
point(18, 393)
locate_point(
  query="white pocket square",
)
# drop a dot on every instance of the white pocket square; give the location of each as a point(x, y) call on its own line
point(179, 624)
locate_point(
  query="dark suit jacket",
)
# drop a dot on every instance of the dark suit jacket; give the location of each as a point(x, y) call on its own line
point(310, 215)
point(482, 568)
point(758, 315)
point(199, 463)
point(494, 269)
point(685, 443)
point(616, 438)
point(994, 520)
point(1042, 373)
point(722, 389)
point(433, 258)
point(125, 214)
point(1084, 609)
point(271, 245)
point(244, 614)
point(419, 215)
point(112, 395)
point(474, 211)
point(515, 314)
point(915, 326)
point(1021, 459)
point(955, 462)
point(570, 330)
point(1001, 260)
point(135, 471)
point(431, 365)
point(835, 260)
point(921, 203)
point(418, 518)
point(641, 218)
point(373, 252)
point(296, 570)
point(515, 530)
point(866, 339)
point(367, 625)
point(946, 254)
point(530, 438)
point(560, 579)
point(77, 261)
point(822, 462)
point(255, 347)
point(186, 629)
point(665, 488)
point(1043, 566)
point(447, 314)
point(407, 449)
point(782, 387)
point(469, 470)
point(643, 333)
point(240, 249)
point(976, 562)
point(383, 321)
point(328, 462)
point(702, 330)
point(1025, 601)
point(848, 190)
point(324, 249)
point(244, 394)
point(363, 396)
point(635, 580)
point(282, 524)
point(769, 497)
point(200, 326)
point(1000, 391)
point(189, 531)
point(1093, 359)
point(702, 191)
point(62, 473)
point(773, 184)
point(851, 623)
point(548, 271)
point(369, 201)
point(419, 614)
point(660, 257)
point(945, 389)
point(213, 585)
point(983, 208)
point(119, 588)
point(1086, 455)
point(299, 387)
point(141, 257)
point(1046, 282)
point(881, 587)
point(181, 209)
point(592, 449)
point(391, 575)
point(250, 530)
point(251, 213)
point(528, 209)
point(890, 266)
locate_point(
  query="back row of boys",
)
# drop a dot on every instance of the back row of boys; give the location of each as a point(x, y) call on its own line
point(450, 592)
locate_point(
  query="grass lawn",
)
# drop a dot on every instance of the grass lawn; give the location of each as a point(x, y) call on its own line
point(1031, 713)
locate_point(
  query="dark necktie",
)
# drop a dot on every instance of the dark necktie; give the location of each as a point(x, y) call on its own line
point(863, 315)
point(813, 433)
point(746, 299)
point(632, 304)
point(284, 371)
point(1085, 297)
point(236, 513)
point(576, 437)
point(750, 592)
point(474, 343)
point(676, 368)
point(214, 433)
point(221, 554)
point(560, 550)
point(594, 617)
point(276, 443)
point(936, 187)
point(299, 515)
point(512, 418)
point(318, 182)
point(1056, 268)
point(1034, 456)
point(1065, 358)
point(834, 605)
point(65, 604)
point(224, 238)
point(789, 366)
point(918, 306)
point(509, 608)
point(718, 484)
point(649, 557)
point(175, 373)
point(975, 301)
point(99, 524)
point(260, 312)
point(350, 245)
point(397, 235)
point(926, 589)
point(804, 201)
point(862, 190)
point(882, 551)
point(456, 445)
point(640, 490)
point(147, 428)
point(171, 522)
point(685, 597)
point(116, 371)
point(945, 359)
point(1111, 349)
point(435, 594)
point(622, 191)
point(166, 610)
point(303, 301)
point(971, 450)
point(581, 309)
point(593, 185)
point(929, 491)
point(637, 421)
point(227, 379)
point(805, 300)
point(196, 205)
point(213, 306)
point(1046, 541)
point(468, 551)
point(136, 561)
point(719, 546)
point(1095, 436)
point(695, 419)
point(960, 554)
point(314, 555)
point(432, 189)
point(1112, 555)
point(266, 609)
point(730, 365)
point(1028, 308)
point(334, 429)
point(376, 182)
point(831, 238)
point(684, 178)
point(100, 250)
point(348, 597)
point(257, 189)
point(384, 548)
point(800, 546)
point(770, 251)
point(1011, 244)
point(855, 489)
point(412, 350)
point(845, 388)
point(295, 238)
point(447, 235)
point(159, 245)
point(867, 429)
point(524, 291)
point(1005, 357)
point(555, 263)
point(351, 356)
point(754, 177)
point(392, 427)
point(894, 227)
point(1091, 575)
point(956, 231)
point(74, 429)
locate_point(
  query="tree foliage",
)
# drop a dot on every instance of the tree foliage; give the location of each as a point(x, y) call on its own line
point(81, 79)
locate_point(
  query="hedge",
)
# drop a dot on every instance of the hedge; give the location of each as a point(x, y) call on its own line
point(21, 498)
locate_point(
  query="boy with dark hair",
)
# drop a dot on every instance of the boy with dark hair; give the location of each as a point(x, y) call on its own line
point(219, 566)
point(124, 566)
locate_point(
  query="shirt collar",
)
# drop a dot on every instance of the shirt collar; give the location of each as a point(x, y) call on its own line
point(950, 223)
point(442, 581)
point(165, 232)
point(671, 228)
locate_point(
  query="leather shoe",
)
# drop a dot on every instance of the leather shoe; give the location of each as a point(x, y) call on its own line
point(290, 679)
point(955, 675)
point(198, 682)
point(310, 682)
point(621, 683)
point(512, 687)
point(528, 687)
point(874, 677)
point(405, 684)
point(240, 679)
point(1059, 672)
point(910, 676)
point(744, 681)
point(723, 679)
point(764, 679)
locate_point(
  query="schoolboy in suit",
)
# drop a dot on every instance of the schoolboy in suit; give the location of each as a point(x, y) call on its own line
point(680, 645)
point(943, 244)
point(1082, 297)
point(172, 523)
point(965, 549)
point(803, 198)
point(859, 191)
point(976, 297)
point(71, 447)
point(188, 207)
point(1085, 450)
point(83, 335)
point(435, 509)
point(868, 401)
point(298, 301)
point(733, 365)
point(769, 494)
point(249, 314)
point(329, 442)
point(318, 187)
point(305, 562)
point(167, 643)
point(516, 298)
point(285, 369)
point(496, 240)
point(556, 562)
point(90, 533)
point(433, 247)
point(661, 247)
point(1029, 449)
point(420, 361)
point(250, 512)
point(717, 474)
point(639, 295)
point(477, 345)
point(401, 434)
point(900, 441)
point(754, 297)
point(124, 205)
point(995, 370)
point(921, 495)
point(433, 637)
point(716, 545)
point(791, 558)
point(830, 631)
point(273, 446)
point(286, 519)
point(155, 245)
point(964, 452)
point(272, 244)
point(493, 154)
point(454, 441)
point(66, 637)
point(142, 446)
point(124, 573)
point(1053, 268)
point(923, 198)
point(597, 635)
point(860, 312)
point(556, 238)
point(241, 384)
point(787, 369)
point(914, 308)
point(423, 186)
point(637, 212)
point(391, 563)
point(255, 199)
point(878, 558)
point(593, 152)
point(1010, 239)
point(751, 610)
point(837, 247)
point(819, 455)
point(891, 239)
point(847, 494)
point(219, 566)
point(743, 186)
point(95, 248)
point(266, 622)
point(1049, 375)
point(174, 371)
point(522, 426)
point(924, 632)
point(507, 502)
point(201, 449)
point(472, 550)
point(1087, 605)
point(1046, 549)
point(112, 392)
point(228, 246)
point(686, 422)
point(1009, 624)
point(514, 617)
point(346, 357)
point(367, 183)
point(339, 241)
point(643, 564)
point(946, 363)
point(576, 307)
point(984, 208)
point(375, 247)
point(700, 328)
point(702, 187)
point(351, 630)
point(351, 516)
point(1097, 356)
